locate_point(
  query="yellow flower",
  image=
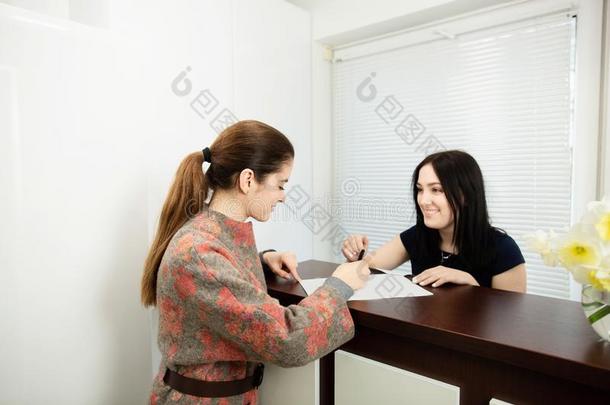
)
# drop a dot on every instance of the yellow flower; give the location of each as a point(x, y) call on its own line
point(579, 252)
point(600, 280)
point(603, 227)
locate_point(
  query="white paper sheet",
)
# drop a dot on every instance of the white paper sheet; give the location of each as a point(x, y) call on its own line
point(378, 286)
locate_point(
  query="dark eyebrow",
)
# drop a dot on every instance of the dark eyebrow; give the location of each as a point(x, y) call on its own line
point(431, 184)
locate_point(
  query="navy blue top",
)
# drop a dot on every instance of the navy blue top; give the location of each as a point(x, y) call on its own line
point(508, 255)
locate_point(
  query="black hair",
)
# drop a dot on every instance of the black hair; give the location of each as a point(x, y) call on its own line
point(463, 186)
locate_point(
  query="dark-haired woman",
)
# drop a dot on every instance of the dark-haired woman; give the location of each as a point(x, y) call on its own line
point(452, 240)
point(217, 324)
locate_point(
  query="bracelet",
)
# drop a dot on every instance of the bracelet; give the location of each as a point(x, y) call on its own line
point(260, 256)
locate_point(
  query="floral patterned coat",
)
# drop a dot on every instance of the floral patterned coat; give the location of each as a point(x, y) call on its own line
point(216, 320)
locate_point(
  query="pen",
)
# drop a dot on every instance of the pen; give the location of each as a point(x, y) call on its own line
point(361, 255)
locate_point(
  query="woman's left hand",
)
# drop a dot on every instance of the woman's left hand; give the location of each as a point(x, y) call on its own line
point(284, 264)
point(440, 275)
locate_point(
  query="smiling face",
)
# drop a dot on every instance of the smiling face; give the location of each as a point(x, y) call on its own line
point(432, 200)
point(266, 194)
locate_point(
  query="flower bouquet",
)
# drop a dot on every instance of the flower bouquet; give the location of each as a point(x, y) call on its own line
point(585, 252)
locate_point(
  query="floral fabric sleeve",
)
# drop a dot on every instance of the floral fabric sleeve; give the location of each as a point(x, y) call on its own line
point(213, 289)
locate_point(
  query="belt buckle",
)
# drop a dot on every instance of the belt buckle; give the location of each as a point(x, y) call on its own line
point(258, 375)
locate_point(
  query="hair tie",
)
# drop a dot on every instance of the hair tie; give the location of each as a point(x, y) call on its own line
point(207, 154)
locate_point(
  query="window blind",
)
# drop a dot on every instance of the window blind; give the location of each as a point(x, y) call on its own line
point(502, 94)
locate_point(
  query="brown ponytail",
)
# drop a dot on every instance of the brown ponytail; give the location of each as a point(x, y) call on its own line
point(187, 193)
point(246, 144)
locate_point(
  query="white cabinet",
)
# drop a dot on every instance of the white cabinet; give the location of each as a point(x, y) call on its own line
point(294, 386)
point(361, 381)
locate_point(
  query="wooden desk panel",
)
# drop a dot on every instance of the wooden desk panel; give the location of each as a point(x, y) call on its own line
point(516, 347)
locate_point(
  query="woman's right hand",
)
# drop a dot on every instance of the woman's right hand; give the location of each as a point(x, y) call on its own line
point(353, 245)
point(354, 274)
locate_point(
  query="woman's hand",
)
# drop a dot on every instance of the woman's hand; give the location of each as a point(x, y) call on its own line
point(440, 275)
point(352, 246)
point(354, 274)
point(284, 264)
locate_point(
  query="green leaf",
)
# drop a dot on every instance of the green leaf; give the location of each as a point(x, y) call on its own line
point(592, 305)
point(599, 314)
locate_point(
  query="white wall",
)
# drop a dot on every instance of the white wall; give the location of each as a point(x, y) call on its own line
point(341, 16)
point(336, 22)
point(78, 213)
point(272, 82)
point(604, 156)
point(54, 8)
point(322, 140)
point(90, 137)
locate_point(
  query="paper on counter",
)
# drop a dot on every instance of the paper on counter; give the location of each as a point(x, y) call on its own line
point(378, 286)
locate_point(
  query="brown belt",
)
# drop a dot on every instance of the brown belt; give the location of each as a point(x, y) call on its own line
point(214, 389)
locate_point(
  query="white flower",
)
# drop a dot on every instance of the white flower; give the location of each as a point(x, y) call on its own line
point(581, 273)
point(598, 207)
point(598, 276)
point(579, 248)
point(584, 251)
point(600, 280)
point(538, 241)
point(598, 216)
point(542, 243)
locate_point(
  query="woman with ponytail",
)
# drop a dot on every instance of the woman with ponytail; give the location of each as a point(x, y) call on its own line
point(217, 324)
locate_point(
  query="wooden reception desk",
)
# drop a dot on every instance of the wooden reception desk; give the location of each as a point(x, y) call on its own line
point(476, 343)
